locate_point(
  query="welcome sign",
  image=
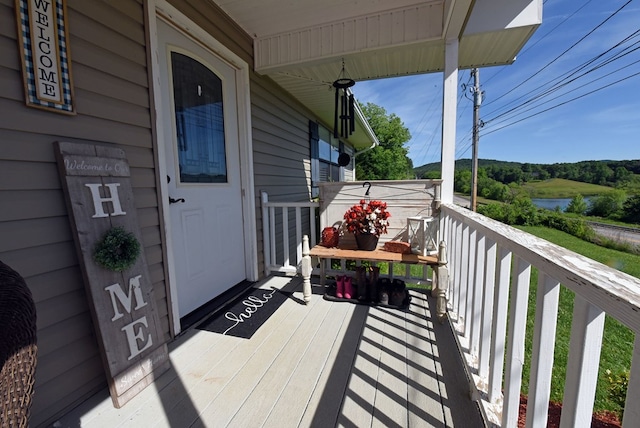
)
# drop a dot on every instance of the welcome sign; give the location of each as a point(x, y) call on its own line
point(44, 50)
point(96, 181)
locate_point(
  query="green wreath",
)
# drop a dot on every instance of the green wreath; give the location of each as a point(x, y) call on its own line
point(117, 251)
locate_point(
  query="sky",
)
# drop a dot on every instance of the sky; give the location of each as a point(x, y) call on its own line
point(582, 65)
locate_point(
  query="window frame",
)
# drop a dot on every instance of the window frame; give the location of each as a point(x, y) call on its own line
point(318, 136)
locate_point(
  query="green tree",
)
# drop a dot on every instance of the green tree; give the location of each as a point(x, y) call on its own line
point(631, 209)
point(608, 204)
point(462, 181)
point(389, 160)
point(431, 175)
point(496, 191)
point(622, 176)
point(577, 205)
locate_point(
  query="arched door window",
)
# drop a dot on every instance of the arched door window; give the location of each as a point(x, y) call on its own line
point(197, 94)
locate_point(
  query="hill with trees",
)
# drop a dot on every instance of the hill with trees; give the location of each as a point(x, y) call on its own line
point(619, 174)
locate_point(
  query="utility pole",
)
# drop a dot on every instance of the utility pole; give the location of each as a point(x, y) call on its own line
point(477, 100)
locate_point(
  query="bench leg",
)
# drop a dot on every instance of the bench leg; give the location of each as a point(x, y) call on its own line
point(441, 286)
point(306, 270)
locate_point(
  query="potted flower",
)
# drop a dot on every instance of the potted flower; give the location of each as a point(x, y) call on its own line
point(367, 221)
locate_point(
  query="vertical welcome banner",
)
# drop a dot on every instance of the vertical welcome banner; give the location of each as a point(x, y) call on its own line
point(44, 49)
point(96, 182)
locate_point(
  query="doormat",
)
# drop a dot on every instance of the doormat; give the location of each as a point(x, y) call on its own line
point(246, 314)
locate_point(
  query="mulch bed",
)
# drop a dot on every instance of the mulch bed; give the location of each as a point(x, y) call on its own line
point(600, 420)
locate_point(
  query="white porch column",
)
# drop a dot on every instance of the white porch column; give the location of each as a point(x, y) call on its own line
point(449, 104)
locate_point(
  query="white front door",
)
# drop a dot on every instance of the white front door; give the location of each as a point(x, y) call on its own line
point(203, 166)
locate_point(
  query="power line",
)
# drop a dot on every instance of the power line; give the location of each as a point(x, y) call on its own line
point(564, 52)
point(563, 103)
point(519, 109)
point(529, 47)
point(562, 79)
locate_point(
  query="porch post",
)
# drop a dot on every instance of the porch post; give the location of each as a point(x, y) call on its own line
point(449, 104)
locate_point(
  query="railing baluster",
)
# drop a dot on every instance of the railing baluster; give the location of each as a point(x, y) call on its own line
point(285, 236)
point(313, 225)
point(452, 260)
point(499, 327)
point(487, 309)
point(515, 342)
point(544, 336)
point(265, 233)
point(631, 408)
point(272, 228)
point(464, 276)
point(455, 293)
point(583, 360)
point(454, 267)
point(298, 235)
point(477, 290)
point(469, 288)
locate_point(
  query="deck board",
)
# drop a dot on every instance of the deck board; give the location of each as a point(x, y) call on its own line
point(275, 378)
point(308, 373)
point(319, 365)
point(423, 389)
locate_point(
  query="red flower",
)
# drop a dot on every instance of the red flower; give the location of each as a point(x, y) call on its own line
point(368, 217)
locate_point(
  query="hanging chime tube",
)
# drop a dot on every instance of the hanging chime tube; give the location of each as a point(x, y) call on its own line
point(335, 115)
point(352, 116)
point(345, 102)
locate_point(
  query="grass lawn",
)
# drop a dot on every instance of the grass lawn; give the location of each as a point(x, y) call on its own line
point(561, 188)
point(618, 340)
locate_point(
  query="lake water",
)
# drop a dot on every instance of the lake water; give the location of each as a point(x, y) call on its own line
point(551, 204)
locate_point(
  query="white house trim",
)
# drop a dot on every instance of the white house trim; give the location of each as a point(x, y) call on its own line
point(449, 105)
point(394, 28)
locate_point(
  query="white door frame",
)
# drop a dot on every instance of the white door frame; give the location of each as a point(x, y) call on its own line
point(160, 9)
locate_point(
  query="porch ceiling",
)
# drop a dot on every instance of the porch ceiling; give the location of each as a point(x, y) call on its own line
point(301, 44)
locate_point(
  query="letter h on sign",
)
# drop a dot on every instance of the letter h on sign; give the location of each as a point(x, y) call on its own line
point(98, 200)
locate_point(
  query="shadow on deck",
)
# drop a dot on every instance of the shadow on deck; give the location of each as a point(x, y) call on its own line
point(321, 365)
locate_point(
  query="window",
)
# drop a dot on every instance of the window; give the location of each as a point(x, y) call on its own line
point(325, 150)
point(199, 122)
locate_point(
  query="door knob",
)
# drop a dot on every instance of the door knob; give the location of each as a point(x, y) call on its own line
point(175, 201)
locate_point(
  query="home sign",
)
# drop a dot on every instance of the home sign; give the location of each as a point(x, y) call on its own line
point(96, 182)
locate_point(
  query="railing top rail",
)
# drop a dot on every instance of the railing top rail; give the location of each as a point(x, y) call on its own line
point(292, 204)
point(615, 292)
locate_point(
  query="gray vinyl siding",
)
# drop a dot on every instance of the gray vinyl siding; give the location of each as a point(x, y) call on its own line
point(111, 95)
point(110, 79)
point(281, 154)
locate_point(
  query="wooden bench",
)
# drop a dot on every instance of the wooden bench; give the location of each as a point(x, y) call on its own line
point(439, 264)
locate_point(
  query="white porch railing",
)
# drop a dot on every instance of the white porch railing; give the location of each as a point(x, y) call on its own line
point(276, 235)
point(490, 265)
point(489, 273)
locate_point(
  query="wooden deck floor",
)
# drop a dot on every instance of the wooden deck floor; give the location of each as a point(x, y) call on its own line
point(322, 365)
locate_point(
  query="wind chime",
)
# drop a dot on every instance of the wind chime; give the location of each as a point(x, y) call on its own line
point(344, 106)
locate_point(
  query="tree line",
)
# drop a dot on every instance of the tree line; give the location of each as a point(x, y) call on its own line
point(604, 172)
point(501, 181)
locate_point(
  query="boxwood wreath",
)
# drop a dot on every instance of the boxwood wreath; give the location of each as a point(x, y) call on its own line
point(118, 250)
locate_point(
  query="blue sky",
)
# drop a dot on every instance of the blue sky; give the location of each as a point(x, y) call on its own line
point(602, 125)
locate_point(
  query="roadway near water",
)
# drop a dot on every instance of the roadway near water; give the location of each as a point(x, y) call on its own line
point(617, 233)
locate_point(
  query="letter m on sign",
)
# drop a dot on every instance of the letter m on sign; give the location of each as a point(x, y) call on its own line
point(117, 294)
